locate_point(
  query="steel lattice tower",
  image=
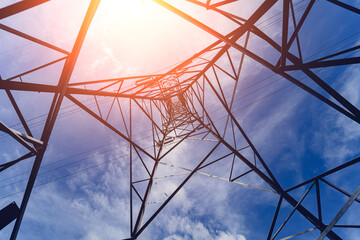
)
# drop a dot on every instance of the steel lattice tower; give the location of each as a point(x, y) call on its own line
point(176, 103)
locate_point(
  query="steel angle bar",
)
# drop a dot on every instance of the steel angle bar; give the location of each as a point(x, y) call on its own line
point(19, 7)
point(120, 79)
point(298, 234)
point(297, 28)
point(292, 212)
point(217, 177)
point(342, 211)
point(221, 3)
point(345, 6)
point(54, 110)
point(35, 69)
point(29, 139)
point(337, 54)
point(18, 112)
point(19, 137)
point(33, 39)
point(265, 6)
point(346, 226)
point(137, 233)
point(161, 177)
point(11, 163)
point(145, 200)
point(318, 199)
point(35, 87)
point(297, 35)
point(285, 29)
point(274, 218)
point(329, 63)
point(331, 171)
point(338, 189)
point(8, 214)
point(129, 132)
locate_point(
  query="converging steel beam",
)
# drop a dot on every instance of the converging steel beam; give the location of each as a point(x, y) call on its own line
point(271, 181)
point(54, 110)
point(183, 121)
point(351, 111)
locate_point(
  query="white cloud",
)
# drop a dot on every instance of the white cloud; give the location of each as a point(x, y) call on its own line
point(183, 228)
point(340, 140)
point(229, 236)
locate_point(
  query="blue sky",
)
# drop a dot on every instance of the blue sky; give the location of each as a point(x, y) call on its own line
point(83, 186)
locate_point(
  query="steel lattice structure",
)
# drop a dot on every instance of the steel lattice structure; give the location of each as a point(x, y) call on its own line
point(176, 103)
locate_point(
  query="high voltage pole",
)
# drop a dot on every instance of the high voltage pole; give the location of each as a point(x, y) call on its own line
point(178, 105)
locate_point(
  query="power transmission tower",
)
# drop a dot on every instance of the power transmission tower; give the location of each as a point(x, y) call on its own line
point(178, 105)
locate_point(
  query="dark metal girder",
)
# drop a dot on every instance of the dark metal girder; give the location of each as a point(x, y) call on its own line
point(18, 112)
point(342, 211)
point(339, 189)
point(8, 214)
point(337, 54)
point(274, 219)
point(329, 63)
point(19, 7)
point(11, 163)
point(346, 6)
point(35, 69)
point(336, 169)
point(297, 28)
point(285, 29)
point(35, 87)
point(21, 138)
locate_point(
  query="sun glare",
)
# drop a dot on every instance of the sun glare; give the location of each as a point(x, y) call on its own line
point(134, 37)
point(125, 7)
point(132, 6)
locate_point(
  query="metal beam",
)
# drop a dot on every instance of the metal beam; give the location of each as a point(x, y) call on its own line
point(54, 110)
point(339, 214)
point(346, 6)
point(329, 63)
point(33, 39)
point(19, 7)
